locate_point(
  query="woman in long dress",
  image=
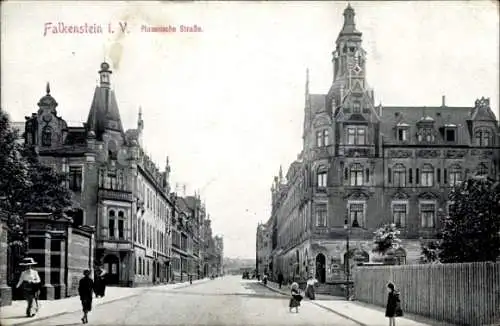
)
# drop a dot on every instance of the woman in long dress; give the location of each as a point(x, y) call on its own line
point(30, 280)
point(310, 293)
point(393, 308)
point(296, 297)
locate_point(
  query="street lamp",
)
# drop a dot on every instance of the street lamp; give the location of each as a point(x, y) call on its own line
point(348, 267)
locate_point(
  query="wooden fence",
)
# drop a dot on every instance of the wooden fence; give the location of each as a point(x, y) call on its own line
point(462, 294)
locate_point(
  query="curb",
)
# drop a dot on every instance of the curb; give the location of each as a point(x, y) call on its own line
point(71, 311)
point(104, 303)
point(319, 305)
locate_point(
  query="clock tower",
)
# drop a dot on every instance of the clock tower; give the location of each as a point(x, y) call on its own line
point(349, 66)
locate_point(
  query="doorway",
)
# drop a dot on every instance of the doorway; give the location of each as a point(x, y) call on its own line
point(321, 268)
point(112, 268)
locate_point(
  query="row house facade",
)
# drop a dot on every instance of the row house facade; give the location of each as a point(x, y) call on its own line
point(364, 165)
point(116, 187)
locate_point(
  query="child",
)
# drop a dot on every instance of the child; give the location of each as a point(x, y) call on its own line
point(393, 308)
point(296, 298)
point(85, 290)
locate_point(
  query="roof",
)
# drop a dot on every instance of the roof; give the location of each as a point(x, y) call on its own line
point(393, 116)
point(318, 103)
point(104, 113)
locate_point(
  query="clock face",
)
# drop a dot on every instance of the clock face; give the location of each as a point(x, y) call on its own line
point(47, 118)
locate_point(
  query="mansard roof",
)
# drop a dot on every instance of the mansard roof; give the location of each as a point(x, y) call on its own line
point(391, 116)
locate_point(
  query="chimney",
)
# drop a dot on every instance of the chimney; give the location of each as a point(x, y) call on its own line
point(443, 100)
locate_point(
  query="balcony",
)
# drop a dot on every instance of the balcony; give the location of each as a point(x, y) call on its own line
point(119, 195)
point(356, 150)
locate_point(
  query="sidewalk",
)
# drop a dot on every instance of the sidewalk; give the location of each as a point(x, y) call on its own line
point(15, 314)
point(358, 312)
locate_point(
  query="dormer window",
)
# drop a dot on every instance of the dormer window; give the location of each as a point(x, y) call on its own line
point(47, 136)
point(425, 135)
point(483, 137)
point(450, 133)
point(403, 131)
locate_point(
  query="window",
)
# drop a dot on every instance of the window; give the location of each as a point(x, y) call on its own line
point(483, 137)
point(427, 175)
point(410, 175)
point(450, 206)
point(399, 175)
point(356, 108)
point(425, 135)
point(322, 138)
point(111, 223)
point(135, 226)
point(482, 170)
point(403, 134)
point(356, 214)
point(110, 181)
point(427, 214)
point(450, 134)
point(47, 136)
point(143, 235)
point(356, 136)
point(356, 175)
point(321, 211)
point(455, 175)
point(140, 265)
point(322, 179)
point(399, 214)
point(121, 234)
point(75, 178)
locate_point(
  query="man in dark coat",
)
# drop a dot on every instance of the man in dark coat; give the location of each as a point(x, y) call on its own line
point(280, 279)
point(85, 291)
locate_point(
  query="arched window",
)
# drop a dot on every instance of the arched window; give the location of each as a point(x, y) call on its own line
point(482, 170)
point(455, 175)
point(399, 175)
point(483, 137)
point(427, 176)
point(356, 175)
point(136, 226)
point(47, 136)
point(121, 224)
point(111, 223)
point(140, 266)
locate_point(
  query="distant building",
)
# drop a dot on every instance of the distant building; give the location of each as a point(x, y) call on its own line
point(263, 260)
point(365, 165)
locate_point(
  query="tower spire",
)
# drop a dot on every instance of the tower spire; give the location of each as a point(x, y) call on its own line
point(47, 89)
point(307, 81)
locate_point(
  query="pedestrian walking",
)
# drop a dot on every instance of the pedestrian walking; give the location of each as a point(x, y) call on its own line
point(190, 279)
point(100, 282)
point(296, 297)
point(280, 280)
point(393, 308)
point(85, 291)
point(310, 293)
point(30, 280)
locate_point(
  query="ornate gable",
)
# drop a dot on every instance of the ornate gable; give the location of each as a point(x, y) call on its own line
point(400, 195)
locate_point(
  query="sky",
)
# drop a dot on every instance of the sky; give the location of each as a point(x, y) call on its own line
point(226, 103)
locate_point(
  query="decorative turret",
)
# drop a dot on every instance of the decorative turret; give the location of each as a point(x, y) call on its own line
point(104, 113)
point(105, 75)
point(47, 104)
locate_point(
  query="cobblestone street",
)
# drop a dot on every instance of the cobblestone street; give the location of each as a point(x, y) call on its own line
point(225, 301)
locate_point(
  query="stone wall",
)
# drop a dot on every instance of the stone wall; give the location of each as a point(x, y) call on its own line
point(5, 290)
point(80, 258)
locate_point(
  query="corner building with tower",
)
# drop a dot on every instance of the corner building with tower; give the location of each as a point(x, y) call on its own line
point(364, 165)
point(143, 235)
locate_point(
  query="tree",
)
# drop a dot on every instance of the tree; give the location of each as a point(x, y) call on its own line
point(14, 170)
point(48, 192)
point(471, 232)
point(429, 252)
point(386, 239)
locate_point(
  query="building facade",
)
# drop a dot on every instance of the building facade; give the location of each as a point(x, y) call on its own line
point(263, 248)
point(364, 165)
point(116, 186)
